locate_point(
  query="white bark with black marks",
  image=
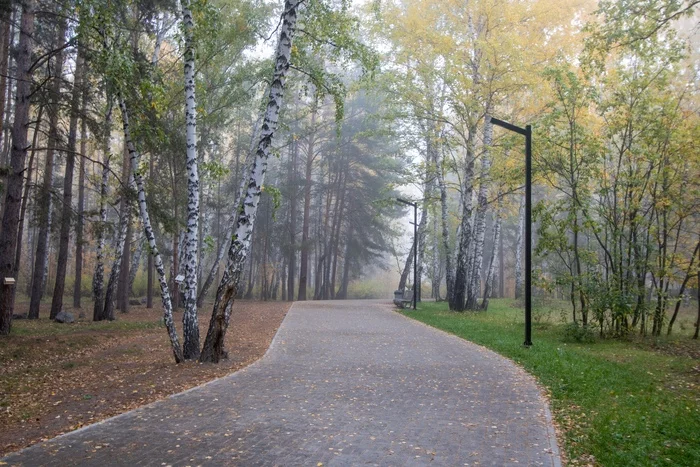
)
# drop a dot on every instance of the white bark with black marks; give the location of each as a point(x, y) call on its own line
point(189, 317)
point(150, 237)
point(459, 296)
point(213, 349)
point(98, 277)
point(493, 264)
point(474, 289)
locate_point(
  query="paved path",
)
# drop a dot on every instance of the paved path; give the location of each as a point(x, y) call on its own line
point(344, 383)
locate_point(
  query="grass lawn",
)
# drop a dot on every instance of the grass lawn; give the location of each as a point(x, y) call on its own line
point(617, 402)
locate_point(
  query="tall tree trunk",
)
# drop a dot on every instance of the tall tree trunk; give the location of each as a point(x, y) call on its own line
point(501, 269)
point(5, 46)
point(461, 276)
point(474, 289)
point(519, 250)
point(304, 257)
point(107, 312)
point(81, 205)
point(67, 208)
point(125, 253)
point(150, 266)
point(13, 190)
point(345, 281)
point(292, 221)
point(240, 244)
point(336, 241)
point(421, 242)
point(25, 196)
point(444, 220)
point(189, 317)
point(437, 263)
point(490, 276)
point(98, 276)
point(148, 230)
point(39, 278)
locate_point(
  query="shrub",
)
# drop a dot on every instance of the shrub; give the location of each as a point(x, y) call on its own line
point(574, 332)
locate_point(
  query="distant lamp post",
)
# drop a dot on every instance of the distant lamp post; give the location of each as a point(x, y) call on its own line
point(527, 132)
point(415, 245)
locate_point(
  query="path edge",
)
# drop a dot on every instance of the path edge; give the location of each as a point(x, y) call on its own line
point(552, 434)
point(160, 401)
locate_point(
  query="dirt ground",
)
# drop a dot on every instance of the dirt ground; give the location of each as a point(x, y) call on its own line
point(58, 377)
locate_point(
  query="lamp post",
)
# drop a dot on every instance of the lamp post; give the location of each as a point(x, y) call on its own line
point(415, 245)
point(527, 132)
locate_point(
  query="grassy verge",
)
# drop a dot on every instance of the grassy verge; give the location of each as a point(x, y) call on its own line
point(616, 402)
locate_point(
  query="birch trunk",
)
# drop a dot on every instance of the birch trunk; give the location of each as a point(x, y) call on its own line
point(42, 249)
point(449, 275)
point(213, 349)
point(13, 189)
point(493, 264)
point(107, 312)
point(421, 240)
point(98, 276)
point(474, 289)
point(459, 297)
point(67, 208)
point(148, 230)
point(519, 250)
point(236, 207)
point(189, 317)
point(437, 263)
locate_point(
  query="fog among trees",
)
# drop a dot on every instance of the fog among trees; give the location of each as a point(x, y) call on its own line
point(188, 154)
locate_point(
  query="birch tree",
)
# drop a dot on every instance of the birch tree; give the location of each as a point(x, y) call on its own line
point(213, 349)
point(134, 158)
point(189, 317)
point(100, 228)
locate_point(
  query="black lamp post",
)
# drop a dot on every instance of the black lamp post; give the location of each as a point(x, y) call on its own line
point(527, 132)
point(415, 245)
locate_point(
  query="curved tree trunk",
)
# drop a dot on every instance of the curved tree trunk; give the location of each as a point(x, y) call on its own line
point(148, 230)
point(107, 311)
point(213, 349)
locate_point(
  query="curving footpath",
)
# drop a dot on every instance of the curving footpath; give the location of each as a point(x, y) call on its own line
point(344, 383)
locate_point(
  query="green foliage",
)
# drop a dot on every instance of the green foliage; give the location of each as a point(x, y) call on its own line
point(576, 332)
point(616, 404)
